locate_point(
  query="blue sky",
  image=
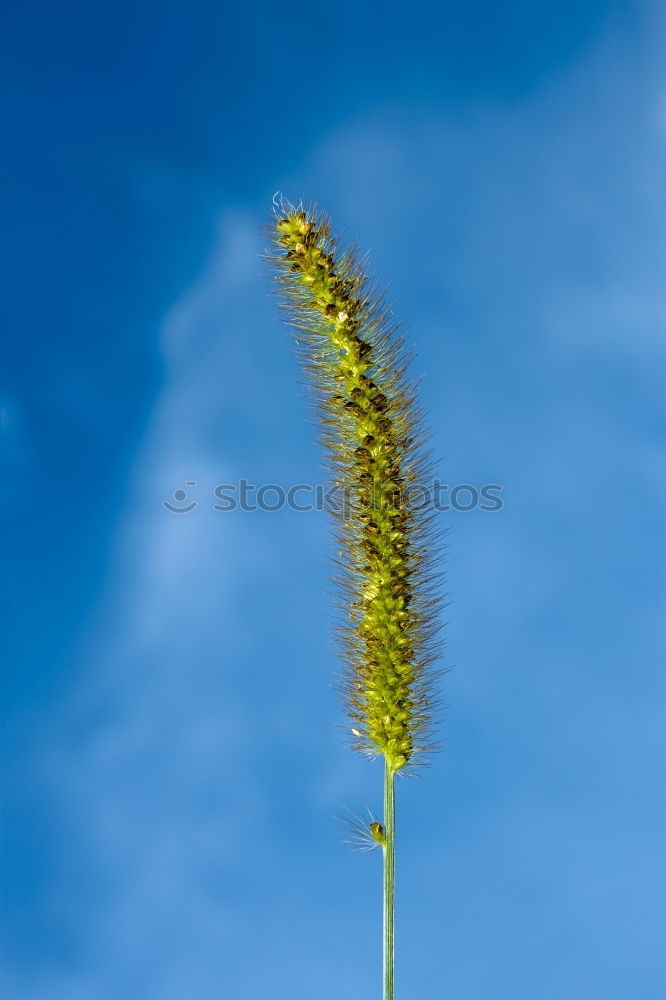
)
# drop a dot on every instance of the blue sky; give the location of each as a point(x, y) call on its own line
point(172, 750)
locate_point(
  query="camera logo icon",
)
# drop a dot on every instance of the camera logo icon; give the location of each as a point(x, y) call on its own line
point(179, 505)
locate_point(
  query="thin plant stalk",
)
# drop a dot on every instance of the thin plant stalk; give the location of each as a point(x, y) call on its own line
point(389, 881)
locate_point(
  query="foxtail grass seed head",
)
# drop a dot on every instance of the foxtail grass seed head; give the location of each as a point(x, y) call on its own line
point(357, 366)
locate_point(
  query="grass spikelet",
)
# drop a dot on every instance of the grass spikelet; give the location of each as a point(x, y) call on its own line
point(365, 834)
point(356, 363)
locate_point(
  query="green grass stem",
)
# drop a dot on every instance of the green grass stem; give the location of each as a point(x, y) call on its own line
point(389, 881)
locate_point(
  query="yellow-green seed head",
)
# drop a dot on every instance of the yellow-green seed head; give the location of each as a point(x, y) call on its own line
point(371, 429)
